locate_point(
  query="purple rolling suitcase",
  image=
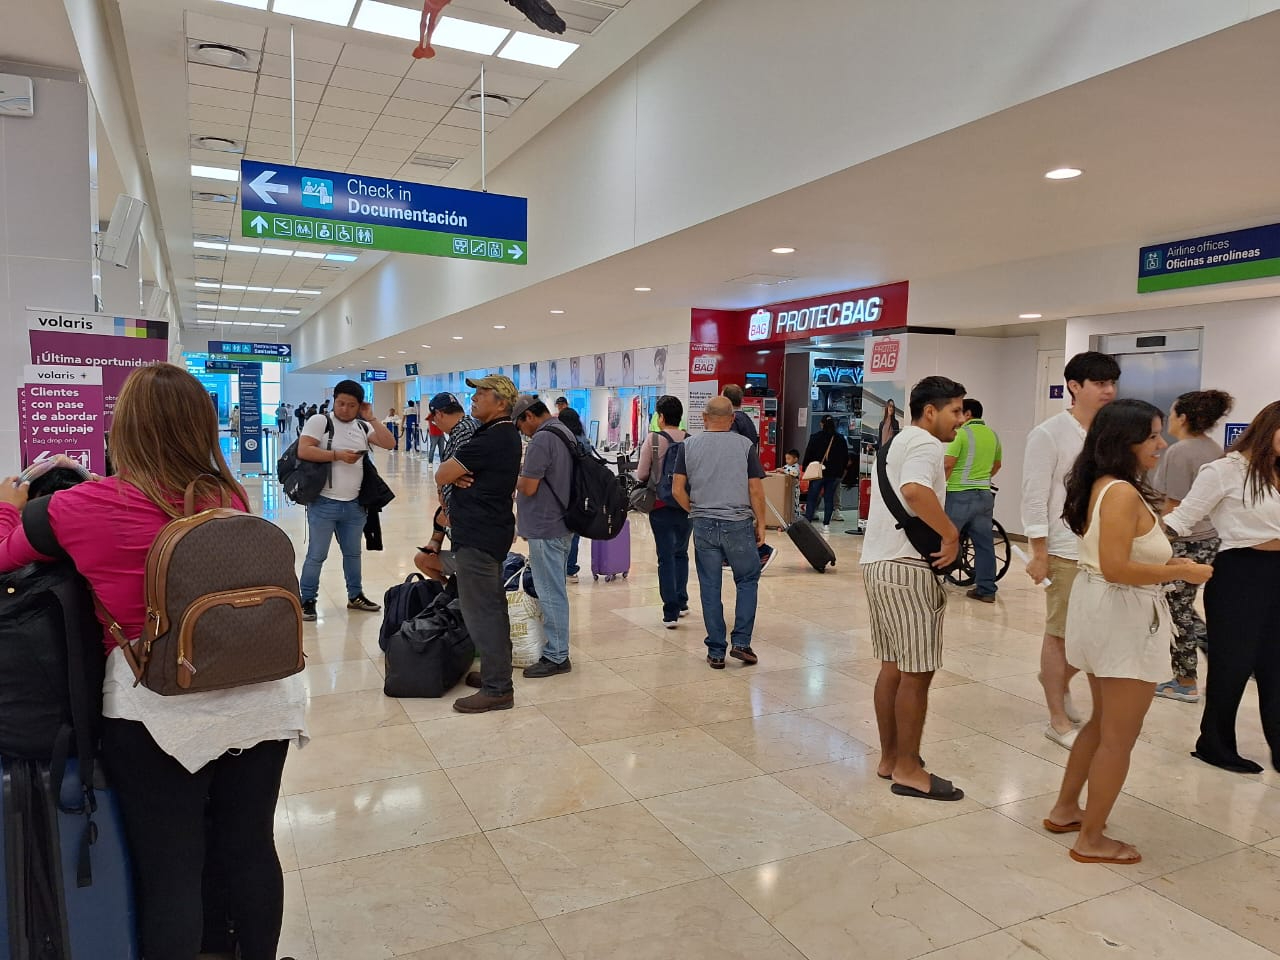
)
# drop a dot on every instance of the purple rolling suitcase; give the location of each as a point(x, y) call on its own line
point(612, 558)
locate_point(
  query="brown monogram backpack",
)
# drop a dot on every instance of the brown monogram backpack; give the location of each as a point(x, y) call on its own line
point(222, 604)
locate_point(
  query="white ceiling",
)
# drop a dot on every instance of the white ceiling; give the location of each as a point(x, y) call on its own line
point(362, 104)
point(1182, 143)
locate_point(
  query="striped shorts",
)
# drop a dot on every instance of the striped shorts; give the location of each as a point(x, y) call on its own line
point(907, 605)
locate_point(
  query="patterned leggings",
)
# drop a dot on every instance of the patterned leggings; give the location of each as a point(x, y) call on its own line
point(1188, 626)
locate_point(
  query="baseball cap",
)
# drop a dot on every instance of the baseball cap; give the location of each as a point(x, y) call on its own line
point(563, 400)
point(522, 406)
point(500, 385)
point(446, 402)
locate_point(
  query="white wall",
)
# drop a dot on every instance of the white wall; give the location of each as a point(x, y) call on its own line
point(308, 387)
point(45, 216)
point(1241, 351)
point(719, 113)
point(1001, 372)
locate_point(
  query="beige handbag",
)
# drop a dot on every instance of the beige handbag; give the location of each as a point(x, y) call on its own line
point(814, 469)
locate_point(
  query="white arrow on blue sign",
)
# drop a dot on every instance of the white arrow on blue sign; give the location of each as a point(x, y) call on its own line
point(264, 188)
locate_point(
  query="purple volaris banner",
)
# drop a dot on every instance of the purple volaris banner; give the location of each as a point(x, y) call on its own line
point(60, 411)
point(118, 345)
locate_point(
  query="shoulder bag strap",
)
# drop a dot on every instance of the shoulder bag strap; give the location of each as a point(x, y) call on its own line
point(828, 452)
point(655, 464)
point(887, 493)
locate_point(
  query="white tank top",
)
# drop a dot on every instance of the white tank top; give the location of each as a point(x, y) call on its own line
point(1152, 547)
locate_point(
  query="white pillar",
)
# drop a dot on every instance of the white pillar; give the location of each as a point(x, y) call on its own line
point(46, 251)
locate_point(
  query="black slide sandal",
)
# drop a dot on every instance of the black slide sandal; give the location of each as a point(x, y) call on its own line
point(939, 789)
point(920, 760)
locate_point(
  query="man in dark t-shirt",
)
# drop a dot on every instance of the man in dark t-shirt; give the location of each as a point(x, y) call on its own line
point(745, 426)
point(483, 525)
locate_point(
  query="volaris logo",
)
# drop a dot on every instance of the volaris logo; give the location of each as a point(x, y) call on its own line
point(761, 325)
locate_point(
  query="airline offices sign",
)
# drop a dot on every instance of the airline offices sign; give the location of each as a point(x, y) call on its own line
point(849, 314)
point(1219, 258)
point(281, 202)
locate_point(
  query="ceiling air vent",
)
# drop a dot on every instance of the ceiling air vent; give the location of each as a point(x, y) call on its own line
point(220, 144)
point(210, 257)
point(433, 160)
point(213, 197)
point(495, 104)
point(585, 16)
point(762, 280)
point(224, 55)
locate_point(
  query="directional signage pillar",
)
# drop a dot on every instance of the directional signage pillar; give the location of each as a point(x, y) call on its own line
point(250, 375)
point(282, 202)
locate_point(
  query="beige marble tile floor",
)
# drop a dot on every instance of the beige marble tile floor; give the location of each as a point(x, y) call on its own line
point(644, 807)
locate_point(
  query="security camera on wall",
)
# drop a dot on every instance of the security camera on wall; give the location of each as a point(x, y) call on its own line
point(118, 243)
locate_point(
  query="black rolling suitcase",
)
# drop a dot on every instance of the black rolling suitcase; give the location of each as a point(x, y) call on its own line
point(808, 541)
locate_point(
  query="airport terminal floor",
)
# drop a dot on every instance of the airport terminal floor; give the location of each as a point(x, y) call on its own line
point(644, 806)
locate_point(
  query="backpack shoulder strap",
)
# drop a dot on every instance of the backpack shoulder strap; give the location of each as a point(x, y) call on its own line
point(39, 530)
point(655, 463)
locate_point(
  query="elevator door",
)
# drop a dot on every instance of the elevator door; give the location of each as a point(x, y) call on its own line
point(1159, 378)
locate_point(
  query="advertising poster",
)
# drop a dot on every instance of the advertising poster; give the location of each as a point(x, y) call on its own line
point(651, 366)
point(251, 416)
point(576, 365)
point(532, 384)
point(560, 374)
point(613, 369)
point(598, 374)
point(118, 345)
point(615, 420)
point(676, 381)
point(700, 393)
point(886, 359)
point(60, 411)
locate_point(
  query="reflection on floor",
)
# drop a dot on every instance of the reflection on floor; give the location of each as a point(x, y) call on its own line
point(644, 806)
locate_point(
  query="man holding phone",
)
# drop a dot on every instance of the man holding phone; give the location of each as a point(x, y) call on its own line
point(337, 512)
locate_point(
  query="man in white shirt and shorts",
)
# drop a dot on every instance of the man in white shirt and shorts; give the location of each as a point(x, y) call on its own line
point(1052, 448)
point(907, 601)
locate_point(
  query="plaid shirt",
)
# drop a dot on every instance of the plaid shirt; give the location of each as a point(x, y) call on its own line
point(458, 437)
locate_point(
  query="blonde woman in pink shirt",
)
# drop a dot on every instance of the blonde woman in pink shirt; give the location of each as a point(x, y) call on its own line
point(172, 758)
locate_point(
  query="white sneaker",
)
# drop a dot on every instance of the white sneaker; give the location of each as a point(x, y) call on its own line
point(837, 517)
point(1065, 740)
point(571, 578)
point(826, 530)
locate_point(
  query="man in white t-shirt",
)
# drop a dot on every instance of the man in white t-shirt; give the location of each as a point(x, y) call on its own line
point(907, 601)
point(1052, 449)
point(337, 511)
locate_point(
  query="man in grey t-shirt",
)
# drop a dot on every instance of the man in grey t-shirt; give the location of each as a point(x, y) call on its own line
point(719, 481)
point(541, 494)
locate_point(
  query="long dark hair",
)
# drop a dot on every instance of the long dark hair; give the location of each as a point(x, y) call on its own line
point(1257, 445)
point(1108, 451)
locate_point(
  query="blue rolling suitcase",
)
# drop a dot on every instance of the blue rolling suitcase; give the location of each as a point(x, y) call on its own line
point(612, 558)
point(66, 879)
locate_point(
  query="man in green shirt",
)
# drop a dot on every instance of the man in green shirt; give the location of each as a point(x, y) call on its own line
point(971, 460)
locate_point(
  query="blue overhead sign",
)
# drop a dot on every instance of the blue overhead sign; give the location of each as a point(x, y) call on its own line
point(241, 350)
point(1217, 258)
point(231, 366)
point(410, 369)
point(372, 376)
point(283, 202)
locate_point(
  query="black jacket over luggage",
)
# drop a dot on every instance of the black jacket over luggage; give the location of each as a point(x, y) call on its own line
point(808, 541)
point(428, 655)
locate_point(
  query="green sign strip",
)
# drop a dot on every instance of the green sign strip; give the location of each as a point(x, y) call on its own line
point(248, 358)
point(1226, 273)
point(361, 236)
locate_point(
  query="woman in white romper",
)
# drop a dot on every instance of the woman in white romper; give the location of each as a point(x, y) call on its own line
point(1118, 622)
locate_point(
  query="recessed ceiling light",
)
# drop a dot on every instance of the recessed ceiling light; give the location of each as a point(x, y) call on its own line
point(388, 20)
point(783, 250)
point(308, 255)
point(402, 351)
point(499, 326)
point(557, 312)
point(425, 346)
point(457, 338)
point(465, 35)
point(1030, 316)
point(644, 289)
point(214, 173)
point(256, 4)
point(326, 11)
point(1063, 173)
point(341, 257)
point(277, 252)
point(541, 51)
point(206, 245)
point(241, 248)
point(382, 358)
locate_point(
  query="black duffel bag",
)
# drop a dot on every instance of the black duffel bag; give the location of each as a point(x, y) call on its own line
point(429, 654)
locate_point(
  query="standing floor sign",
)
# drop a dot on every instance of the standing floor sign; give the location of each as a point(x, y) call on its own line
point(250, 415)
point(283, 202)
point(60, 410)
point(79, 362)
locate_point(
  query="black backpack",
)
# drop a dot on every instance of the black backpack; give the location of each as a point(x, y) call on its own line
point(304, 480)
point(404, 601)
point(598, 504)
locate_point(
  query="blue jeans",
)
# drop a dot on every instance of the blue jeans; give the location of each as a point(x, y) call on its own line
point(826, 488)
point(573, 568)
point(410, 434)
point(395, 434)
point(734, 541)
point(325, 519)
point(671, 530)
point(972, 511)
point(549, 560)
